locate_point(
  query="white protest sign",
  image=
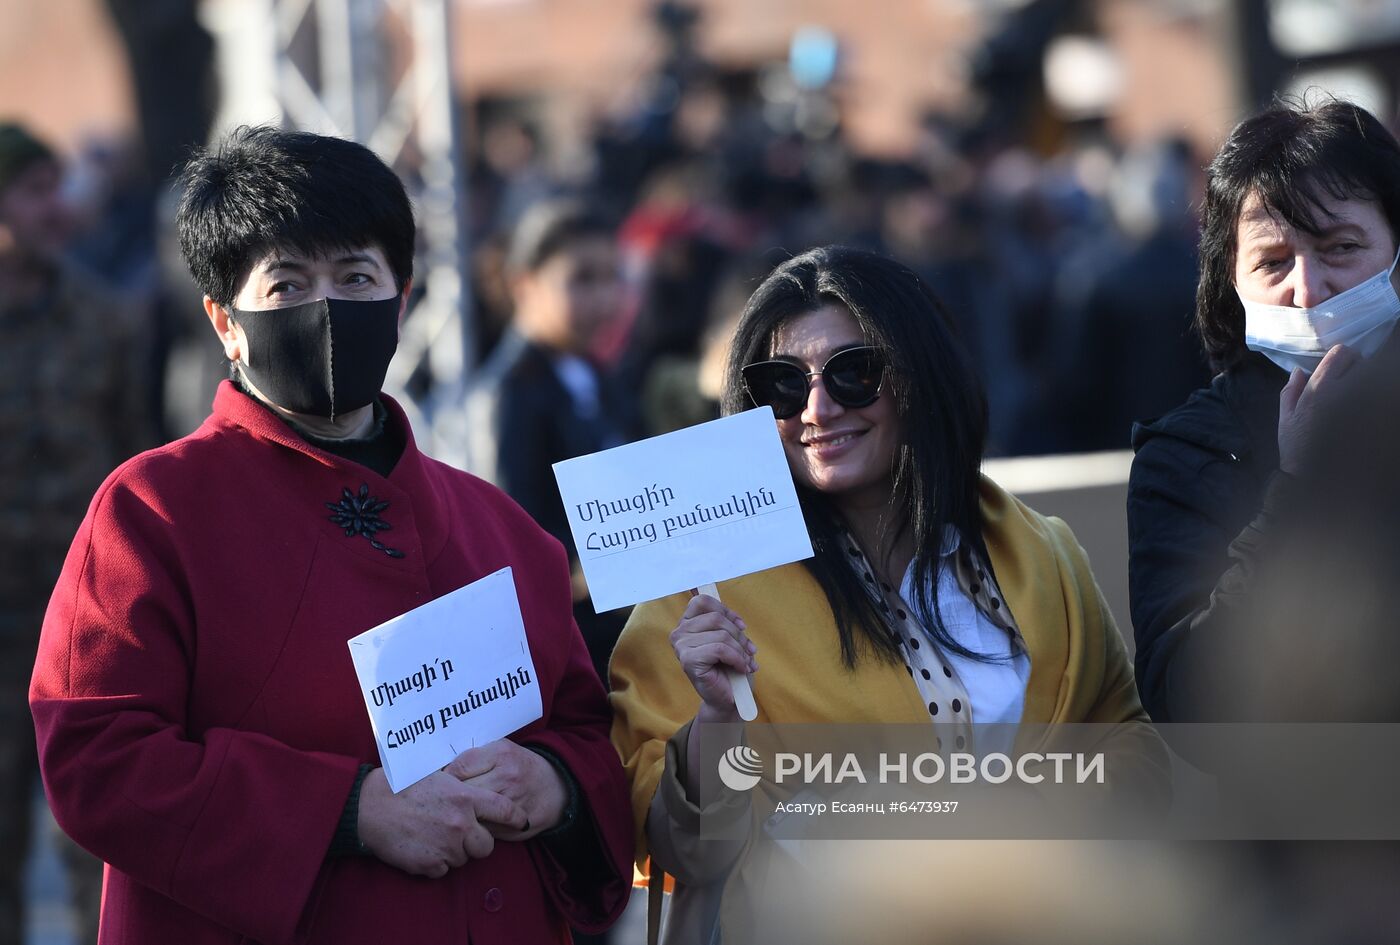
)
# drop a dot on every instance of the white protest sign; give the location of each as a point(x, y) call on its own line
point(447, 676)
point(707, 503)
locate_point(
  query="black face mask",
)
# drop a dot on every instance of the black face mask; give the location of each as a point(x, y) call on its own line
point(323, 358)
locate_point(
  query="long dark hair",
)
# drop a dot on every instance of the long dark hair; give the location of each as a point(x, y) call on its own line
point(1292, 156)
point(942, 413)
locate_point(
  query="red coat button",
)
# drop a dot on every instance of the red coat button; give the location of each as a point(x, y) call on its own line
point(493, 900)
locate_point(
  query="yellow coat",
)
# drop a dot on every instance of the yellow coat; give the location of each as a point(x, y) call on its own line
point(1080, 671)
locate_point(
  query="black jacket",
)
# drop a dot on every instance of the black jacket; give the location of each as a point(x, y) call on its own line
point(1201, 496)
point(522, 420)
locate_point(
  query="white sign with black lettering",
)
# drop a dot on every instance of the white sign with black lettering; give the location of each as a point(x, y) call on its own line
point(684, 509)
point(447, 676)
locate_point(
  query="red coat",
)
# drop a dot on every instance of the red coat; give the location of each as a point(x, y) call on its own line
point(199, 721)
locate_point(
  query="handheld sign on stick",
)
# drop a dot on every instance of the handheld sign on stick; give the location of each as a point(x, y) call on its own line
point(739, 682)
point(685, 510)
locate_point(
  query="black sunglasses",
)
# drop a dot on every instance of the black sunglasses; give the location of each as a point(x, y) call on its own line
point(852, 377)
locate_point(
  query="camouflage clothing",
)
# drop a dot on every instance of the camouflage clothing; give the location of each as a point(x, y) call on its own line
point(70, 412)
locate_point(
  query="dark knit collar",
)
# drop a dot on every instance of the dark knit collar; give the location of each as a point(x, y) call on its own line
point(379, 449)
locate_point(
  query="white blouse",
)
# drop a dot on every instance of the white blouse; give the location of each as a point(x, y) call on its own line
point(959, 691)
point(996, 691)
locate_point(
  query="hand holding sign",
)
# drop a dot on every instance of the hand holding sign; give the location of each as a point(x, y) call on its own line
point(435, 824)
point(683, 510)
point(521, 776)
point(716, 656)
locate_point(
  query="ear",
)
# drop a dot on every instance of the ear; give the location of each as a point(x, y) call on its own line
point(403, 298)
point(520, 285)
point(229, 334)
point(524, 300)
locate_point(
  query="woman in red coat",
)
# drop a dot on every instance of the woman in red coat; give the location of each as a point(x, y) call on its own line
point(200, 725)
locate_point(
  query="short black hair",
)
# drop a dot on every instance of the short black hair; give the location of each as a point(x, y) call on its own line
point(263, 188)
point(1292, 155)
point(942, 410)
point(552, 225)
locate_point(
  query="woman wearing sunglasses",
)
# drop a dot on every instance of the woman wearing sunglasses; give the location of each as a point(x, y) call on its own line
point(933, 596)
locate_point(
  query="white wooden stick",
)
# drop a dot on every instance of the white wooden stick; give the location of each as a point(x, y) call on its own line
point(739, 682)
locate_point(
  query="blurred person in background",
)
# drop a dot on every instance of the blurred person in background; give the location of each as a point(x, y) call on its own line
point(674, 241)
point(116, 236)
point(1121, 349)
point(118, 239)
point(1023, 236)
point(1297, 286)
point(933, 597)
point(72, 407)
point(927, 224)
point(682, 390)
point(681, 279)
point(510, 148)
point(490, 288)
point(540, 398)
point(920, 227)
point(200, 726)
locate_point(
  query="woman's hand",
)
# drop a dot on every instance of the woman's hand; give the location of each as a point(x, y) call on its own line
point(709, 639)
point(1300, 400)
point(524, 778)
point(434, 825)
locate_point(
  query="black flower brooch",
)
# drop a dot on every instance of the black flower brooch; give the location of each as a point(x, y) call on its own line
point(359, 515)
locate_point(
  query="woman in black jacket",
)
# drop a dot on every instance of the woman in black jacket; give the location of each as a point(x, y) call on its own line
point(1298, 248)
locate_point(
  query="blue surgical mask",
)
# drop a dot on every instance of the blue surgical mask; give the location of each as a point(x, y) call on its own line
point(1361, 318)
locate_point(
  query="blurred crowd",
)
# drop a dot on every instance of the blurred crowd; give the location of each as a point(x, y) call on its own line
point(709, 177)
point(1044, 260)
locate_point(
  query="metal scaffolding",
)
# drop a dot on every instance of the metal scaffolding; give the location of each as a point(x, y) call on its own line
point(378, 72)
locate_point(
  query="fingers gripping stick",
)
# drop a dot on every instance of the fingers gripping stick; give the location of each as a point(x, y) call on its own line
point(739, 682)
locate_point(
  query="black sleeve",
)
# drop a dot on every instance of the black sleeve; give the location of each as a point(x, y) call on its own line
point(512, 445)
point(524, 462)
point(346, 841)
point(1190, 564)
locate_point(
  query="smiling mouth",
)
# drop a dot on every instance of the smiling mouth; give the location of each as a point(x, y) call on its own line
point(828, 442)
